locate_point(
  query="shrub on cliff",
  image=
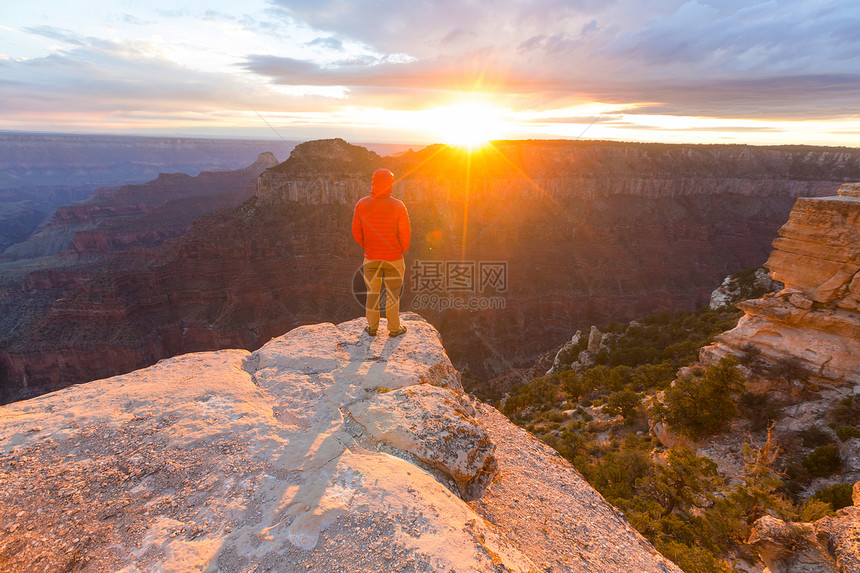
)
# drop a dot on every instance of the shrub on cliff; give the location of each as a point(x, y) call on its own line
point(847, 412)
point(823, 461)
point(701, 405)
point(789, 368)
point(624, 403)
point(687, 481)
point(838, 496)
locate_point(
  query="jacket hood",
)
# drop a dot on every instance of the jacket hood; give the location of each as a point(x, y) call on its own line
point(382, 183)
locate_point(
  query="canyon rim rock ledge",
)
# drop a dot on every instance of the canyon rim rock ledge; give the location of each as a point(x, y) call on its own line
point(815, 320)
point(325, 450)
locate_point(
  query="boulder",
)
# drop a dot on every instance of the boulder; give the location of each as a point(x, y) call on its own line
point(789, 547)
point(830, 545)
point(438, 427)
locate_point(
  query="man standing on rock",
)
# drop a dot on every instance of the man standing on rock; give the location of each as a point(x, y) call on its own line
point(380, 224)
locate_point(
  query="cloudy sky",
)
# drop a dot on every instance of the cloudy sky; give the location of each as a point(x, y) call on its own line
point(436, 70)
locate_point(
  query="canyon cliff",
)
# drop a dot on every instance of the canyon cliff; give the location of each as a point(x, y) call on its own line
point(119, 229)
point(324, 450)
point(581, 232)
point(138, 216)
point(815, 319)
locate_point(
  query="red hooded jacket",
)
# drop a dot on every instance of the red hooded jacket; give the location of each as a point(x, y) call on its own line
point(380, 223)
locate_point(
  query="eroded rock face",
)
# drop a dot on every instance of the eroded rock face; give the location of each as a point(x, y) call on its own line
point(789, 547)
point(816, 318)
point(830, 545)
point(295, 458)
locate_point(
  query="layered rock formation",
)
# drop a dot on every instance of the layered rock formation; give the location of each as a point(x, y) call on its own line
point(139, 216)
point(830, 545)
point(30, 159)
point(116, 231)
point(588, 232)
point(41, 172)
point(815, 320)
point(325, 450)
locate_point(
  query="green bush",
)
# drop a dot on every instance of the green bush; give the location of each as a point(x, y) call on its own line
point(789, 368)
point(686, 481)
point(759, 409)
point(813, 510)
point(814, 437)
point(623, 403)
point(823, 461)
point(700, 406)
point(838, 496)
point(618, 378)
point(573, 385)
point(692, 559)
point(648, 376)
point(847, 412)
point(595, 377)
point(846, 432)
point(750, 355)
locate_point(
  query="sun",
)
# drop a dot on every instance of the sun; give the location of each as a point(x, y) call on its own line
point(468, 125)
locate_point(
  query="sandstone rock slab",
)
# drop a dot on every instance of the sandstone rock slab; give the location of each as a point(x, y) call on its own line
point(830, 545)
point(815, 320)
point(437, 426)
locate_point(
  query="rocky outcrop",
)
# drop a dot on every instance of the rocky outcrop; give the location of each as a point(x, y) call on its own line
point(830, 545)
point(741, 286)
point(284, 459)
point(588, 232)
point(815, 320)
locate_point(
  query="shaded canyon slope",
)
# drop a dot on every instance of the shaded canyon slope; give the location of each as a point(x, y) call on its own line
point(588, 231)
point(118, 230)
point(325, 450)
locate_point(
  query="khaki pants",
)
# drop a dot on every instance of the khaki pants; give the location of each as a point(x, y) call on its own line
point(389, 273)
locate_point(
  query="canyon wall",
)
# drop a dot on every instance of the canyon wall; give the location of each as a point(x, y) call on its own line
point(41, 172)
point(118, 230)
point(584, 232)
point(36, 159)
